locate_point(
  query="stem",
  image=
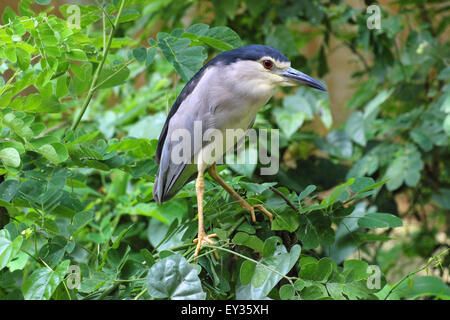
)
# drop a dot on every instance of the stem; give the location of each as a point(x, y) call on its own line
point(93, 88)
point(140, 294)
point(430, 261)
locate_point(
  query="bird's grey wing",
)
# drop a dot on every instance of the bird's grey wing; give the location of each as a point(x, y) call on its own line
point(173, 175)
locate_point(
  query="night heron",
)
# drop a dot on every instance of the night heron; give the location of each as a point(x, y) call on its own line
point(225, 94)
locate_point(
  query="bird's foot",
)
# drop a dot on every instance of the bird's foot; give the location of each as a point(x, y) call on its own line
point(248, 207)
point(202, 239)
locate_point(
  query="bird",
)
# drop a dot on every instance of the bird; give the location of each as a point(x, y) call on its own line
point(226, 93)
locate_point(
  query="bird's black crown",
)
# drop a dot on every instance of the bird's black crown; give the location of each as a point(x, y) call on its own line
point(250, 52)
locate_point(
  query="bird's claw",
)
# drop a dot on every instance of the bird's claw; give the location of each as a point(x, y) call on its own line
point(202, 239)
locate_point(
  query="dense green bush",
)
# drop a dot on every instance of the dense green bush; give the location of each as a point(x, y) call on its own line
point(82, 108)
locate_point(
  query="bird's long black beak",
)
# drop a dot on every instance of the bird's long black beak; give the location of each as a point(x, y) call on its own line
point(299, 77)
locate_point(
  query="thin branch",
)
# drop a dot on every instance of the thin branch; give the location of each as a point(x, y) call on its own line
point(289, 203)
point(430, 261)
point(98, 70)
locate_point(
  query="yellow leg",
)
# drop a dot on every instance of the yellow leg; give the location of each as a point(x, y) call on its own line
point(244, 204)
point(202, 237)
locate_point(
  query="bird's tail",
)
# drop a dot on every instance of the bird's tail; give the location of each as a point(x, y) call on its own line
point(171, 177)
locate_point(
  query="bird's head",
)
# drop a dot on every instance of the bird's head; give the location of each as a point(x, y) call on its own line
point(263, 67)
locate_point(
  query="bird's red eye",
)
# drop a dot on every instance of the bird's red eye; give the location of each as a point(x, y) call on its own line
point(267, 64)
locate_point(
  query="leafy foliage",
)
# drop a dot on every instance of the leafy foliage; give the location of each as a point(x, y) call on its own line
point(82, 108)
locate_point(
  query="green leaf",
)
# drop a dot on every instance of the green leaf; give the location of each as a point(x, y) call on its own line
point(264, 280)
point(287, 292)
point(379, 220)
point(314, 292)
point(355, 270)
point(406, 167)
point(423, 286)
point(10, 157)
point(286, 220)
point(23, 58)
point(315, 228)
point(250, 241)
point(174, 278)
point(317, 271)
point(337, 193)
point(306, 192)
point(150, 56)
point(76, 54)
point(140, 54)
point(287, 121)
point(80, 219)
point(355, 128)
point(270, 245)
point(8, 248)
point(55, 152)
point(186, 60)
point(442, 197)
point(112, 75)
point(222, 38)
point(446, 125)
point(246, 272)
point(8, 189)
point(42, 283)
point(129, 15)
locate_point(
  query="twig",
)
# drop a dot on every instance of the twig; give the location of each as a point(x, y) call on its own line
point(55, 128)
point(430, 261)
point(289, 203)
point(93, 88)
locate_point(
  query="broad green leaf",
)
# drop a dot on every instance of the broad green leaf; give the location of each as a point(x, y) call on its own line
point(287, 121)
point(222, 38)
point(140, 54)
point(379, 220)
point(23, 58)
point(314, 292)
point(82, 218)
point(186, 60)
point(306, 192)
point(42, 283)
point(10, 157)
point(337, 193)
point(406, 167)
point(362, 184)
point(286, 220)
point(9, 248)
point(315, 228)
point(287, 292)
point(175, 279)
point(446, 125)
point(49, 152)
point(8, 189)
point(246, 272)
point(250, 241)
point(355, 128)
point(442, 197)
point(270, 245)
point(76, 54)
point(263, 279)
point(317, 271)
point(112, 75)
point(422, 287)
point(355, 270)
